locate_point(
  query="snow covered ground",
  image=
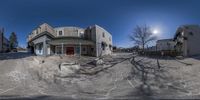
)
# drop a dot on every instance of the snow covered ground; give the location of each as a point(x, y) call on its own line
point(26, 76)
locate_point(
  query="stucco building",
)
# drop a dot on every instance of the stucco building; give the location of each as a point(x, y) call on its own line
point(165, 44)
point(93, 40)
point(4, 42)
point(187, 40)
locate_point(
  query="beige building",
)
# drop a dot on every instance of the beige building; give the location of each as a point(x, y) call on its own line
point(187, 40)
point(165, 44)
point(46, 40)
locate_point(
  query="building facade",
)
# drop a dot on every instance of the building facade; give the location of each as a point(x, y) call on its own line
point(4, 42)
point(187, 40)
point(93, 41)
point(165, 45)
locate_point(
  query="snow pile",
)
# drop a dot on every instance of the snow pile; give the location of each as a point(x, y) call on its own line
point(68, 69)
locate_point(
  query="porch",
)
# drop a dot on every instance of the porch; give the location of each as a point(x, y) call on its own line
point(71, 46)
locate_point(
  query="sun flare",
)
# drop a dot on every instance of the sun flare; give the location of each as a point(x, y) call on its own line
point(155, 31)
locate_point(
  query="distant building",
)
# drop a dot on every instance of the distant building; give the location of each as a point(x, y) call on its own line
point(165, 44)
point(4, 42)
point(152, 48)
point(187, 39)
point(46, 40)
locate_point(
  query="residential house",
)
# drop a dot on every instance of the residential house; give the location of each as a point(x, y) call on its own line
point(187, 40)
point(93, 40)
point(165, 45)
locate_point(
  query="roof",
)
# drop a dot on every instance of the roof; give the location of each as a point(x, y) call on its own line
point(70, 40)
point(42, 34)
point(165, 40)
point(68, 27)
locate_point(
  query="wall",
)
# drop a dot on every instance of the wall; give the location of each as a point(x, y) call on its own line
point(106, 39)
point(69, 31)
point(1, 42)
point(193, 41)
point(42, 40)
point(165, 45)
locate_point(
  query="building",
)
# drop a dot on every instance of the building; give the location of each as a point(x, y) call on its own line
point(165, 45)
point(152, 48)
point(4, 42)
point(93, 41)
point(187, 40)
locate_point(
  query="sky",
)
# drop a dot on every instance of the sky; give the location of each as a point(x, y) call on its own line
point(119, 17)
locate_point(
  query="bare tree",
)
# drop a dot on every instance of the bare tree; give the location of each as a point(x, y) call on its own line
point(142, 35)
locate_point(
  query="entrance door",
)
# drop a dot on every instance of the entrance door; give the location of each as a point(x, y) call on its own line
point(48, 50)
point(70, 51)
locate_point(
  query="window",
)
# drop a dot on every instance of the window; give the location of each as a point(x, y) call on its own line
point(36, 31)
point(60, 33)
point(103, 34)
point(92, 49)
point(191, 33)
point(103, 45)
point(110, 46)
point(90, 31)
point(83, 49)
point(185, 38)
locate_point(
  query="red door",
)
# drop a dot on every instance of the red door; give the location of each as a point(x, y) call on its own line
point(70, 51)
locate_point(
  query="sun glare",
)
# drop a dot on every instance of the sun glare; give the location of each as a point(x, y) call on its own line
point(155, 31)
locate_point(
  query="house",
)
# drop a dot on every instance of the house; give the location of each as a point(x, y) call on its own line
point(165, 45)
point(93, 41)
point(4, 42)
point(187, 40)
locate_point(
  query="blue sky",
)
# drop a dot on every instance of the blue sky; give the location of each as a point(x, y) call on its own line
point(119, 17)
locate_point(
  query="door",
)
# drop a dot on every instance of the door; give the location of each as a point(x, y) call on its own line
point(48, 50)
point(70, 51)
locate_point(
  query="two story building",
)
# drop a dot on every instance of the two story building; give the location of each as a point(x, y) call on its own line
point(93, 41)
point(187, 40)
point(165, 45)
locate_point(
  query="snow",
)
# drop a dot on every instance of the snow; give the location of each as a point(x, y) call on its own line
point(116, 77)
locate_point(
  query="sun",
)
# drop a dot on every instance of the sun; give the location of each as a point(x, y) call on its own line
point(155, 31)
